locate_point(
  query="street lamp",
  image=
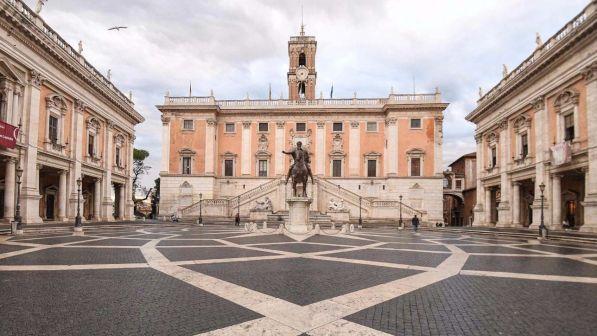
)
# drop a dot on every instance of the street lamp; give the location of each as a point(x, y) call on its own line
point(360, 217)
point(542, 227)
point(78, 218)
point(200, 220)
point(18, 218)
point(400, 223)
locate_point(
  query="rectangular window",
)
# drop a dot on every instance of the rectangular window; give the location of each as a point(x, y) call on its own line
point(415, 167)
point(337, 127)
point(301, 127)
point(371, 126)
point(262, 168)
point(371, 168)
point(187, 124)
point(91, 145)
point(186, 165)
point(459, 184)
point(263, 127)
point(493, 157)
point(337, 168)
point(229, 127)
point(415, 123)
point(569, 127)
point(53, 129)
point(228, 168)
point(524, 145)
point(118, 156)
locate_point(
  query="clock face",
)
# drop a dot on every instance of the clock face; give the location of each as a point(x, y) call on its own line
point(302, 73)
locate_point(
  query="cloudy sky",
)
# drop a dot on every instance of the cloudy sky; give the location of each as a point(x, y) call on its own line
point(239, 47)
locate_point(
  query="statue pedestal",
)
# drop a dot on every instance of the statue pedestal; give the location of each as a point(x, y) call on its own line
point(258, 214)
point(298, 214)
point(339, 216)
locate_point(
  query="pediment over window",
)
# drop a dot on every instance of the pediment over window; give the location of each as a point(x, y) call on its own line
point(415, 186)
point(522, 122)
point(94, 124)
point(185, 184)
point(372, 154)
point(228, 155)
point(337, 153)
point(415, 152)
point(186, 152)
point(119, 140)
point(56, 102)
point(263, 154)
point(566, 97)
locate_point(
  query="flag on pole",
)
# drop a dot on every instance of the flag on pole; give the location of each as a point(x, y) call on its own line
point(190, 89)
point(332, 92)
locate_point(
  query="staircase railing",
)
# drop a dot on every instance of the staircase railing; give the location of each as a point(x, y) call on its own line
point(344, 193)
point(253, 192)
point(406, 209)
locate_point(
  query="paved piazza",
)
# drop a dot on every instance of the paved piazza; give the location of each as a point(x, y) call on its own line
point(219, 280)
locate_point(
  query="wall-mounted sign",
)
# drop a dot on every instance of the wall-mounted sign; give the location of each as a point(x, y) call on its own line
point(8, 135)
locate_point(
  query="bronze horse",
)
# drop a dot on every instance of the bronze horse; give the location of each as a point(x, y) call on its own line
point(300, 170)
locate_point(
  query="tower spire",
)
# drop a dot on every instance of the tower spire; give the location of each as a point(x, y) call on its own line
point(302, 22)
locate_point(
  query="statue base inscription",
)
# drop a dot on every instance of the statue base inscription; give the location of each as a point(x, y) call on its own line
point(298, 215)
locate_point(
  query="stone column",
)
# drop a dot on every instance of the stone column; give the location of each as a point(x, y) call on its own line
point(590, 200)
point(7, 99)
point(165, 144)
point(16, 107)
point(541, 148)
point(556, 186)
point(392, 138)
point(504, 209)
point(480, 191)
point(320, 151)
point(97, 197)
point(122, 207)
point(130, 205)
point(515, 204)
point(62, 195)
point(354, 149)
point(279, 147)
point(210, 143)
point(246, 153)
point(79, 123)
point(487, 207)
point(437, 147)
point(107, 201)
point(29, 188)
point(9, 189)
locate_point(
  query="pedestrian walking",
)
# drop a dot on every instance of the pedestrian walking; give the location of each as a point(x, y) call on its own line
point(415, 222)
point(237, 219)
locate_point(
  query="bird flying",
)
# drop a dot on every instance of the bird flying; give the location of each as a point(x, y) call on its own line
point(117, 28)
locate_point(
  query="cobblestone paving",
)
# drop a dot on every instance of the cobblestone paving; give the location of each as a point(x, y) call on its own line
point(153, 280)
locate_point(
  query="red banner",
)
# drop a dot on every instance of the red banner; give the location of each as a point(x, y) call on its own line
point(8, 135)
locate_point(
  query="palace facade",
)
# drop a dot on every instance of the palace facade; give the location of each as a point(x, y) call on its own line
point(73, 124)
point(537, 129)
point(364, 152)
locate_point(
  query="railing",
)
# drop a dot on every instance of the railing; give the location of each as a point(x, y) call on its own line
point(234, 202)
point(31, 16)
point(277, 103)
point(407, 209)
point(572, 26)
point(345, 194)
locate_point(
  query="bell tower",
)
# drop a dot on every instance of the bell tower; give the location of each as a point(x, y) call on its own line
point(301, 73)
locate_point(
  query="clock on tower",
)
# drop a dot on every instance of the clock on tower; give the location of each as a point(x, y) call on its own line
point(301, 73)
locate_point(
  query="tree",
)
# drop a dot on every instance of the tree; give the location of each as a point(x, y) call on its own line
point(139, 168)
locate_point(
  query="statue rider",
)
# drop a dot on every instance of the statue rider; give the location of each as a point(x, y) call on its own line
point(299, 154)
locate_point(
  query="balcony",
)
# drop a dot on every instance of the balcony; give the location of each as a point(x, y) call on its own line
point(93, 159)
point(118, 169)
point(522, 161)
point(55, 147)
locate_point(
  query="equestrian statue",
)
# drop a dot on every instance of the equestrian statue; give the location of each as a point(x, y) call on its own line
point(300, 169)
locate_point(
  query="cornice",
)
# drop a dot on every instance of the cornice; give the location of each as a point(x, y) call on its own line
point(30, 35)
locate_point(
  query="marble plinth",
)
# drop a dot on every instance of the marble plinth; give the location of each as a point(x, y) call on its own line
point(298, 214)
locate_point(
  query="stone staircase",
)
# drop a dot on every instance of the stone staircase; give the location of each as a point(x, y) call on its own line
point(314, 218)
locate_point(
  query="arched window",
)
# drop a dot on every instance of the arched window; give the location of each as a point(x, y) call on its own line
point(301, 90)
point(302, 59)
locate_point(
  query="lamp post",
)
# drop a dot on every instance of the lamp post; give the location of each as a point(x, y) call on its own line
point(200, 220)
point(542, 227)
point(78, 218)
point(360, 217)
point(18, 219)
point(400, 223)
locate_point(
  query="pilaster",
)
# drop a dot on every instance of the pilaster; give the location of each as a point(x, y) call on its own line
point(165, 168)
point(590, 200)
point(246, 153)
point(354, 149)
point(392, 137)
point(320, 149)
point(279, 147)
